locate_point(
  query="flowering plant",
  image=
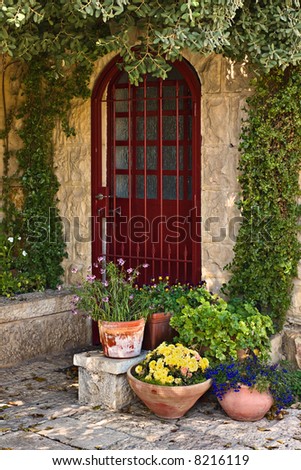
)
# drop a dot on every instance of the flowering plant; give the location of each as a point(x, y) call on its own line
point(172, 364)
point(254, 373)
point(164, 296)
point(14, 277)
point(112, 297)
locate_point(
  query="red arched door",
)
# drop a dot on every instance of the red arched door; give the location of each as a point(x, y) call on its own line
point(146, 172)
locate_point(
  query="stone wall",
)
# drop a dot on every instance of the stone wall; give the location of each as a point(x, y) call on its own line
point(32, 325)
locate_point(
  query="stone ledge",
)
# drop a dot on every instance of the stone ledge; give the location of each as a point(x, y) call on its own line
point(39, 323)
point(34, 304)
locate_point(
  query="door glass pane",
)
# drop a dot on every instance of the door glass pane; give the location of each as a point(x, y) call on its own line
point(121, 96)
point(151, 158)
point(170, 187)
point(151, 128)
point(139, 98)
point(122, 158)
point(189, 188)
point(170, 157)
point(170, 127)
point(122, 131)
point(189, 158)
point(151, 95)
point(122, 186)
point(169, 98)
point(151, 182)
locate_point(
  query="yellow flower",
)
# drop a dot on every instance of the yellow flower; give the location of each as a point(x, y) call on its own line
point(204, 363)
point(139, 369)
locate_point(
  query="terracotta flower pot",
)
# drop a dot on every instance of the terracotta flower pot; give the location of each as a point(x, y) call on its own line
point(121, 339)
point(167, 401)
point(246, 405)
point(157, 329)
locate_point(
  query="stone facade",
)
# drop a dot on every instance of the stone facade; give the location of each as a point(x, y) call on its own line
point(225, 87)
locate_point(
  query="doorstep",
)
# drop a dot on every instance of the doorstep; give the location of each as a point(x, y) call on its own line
point(103, 381)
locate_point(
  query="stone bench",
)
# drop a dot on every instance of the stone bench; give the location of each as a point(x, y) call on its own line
point(102, 381)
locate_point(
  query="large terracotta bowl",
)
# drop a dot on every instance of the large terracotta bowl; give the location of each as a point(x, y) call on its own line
point(168, 402)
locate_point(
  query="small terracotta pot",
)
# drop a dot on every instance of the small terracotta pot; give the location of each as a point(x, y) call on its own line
point(246, 405)
point(121, 339)
point(166, 401)
point(157, 329)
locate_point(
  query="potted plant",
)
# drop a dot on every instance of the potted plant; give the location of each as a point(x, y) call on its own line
point(170, 379)
point(223, 329)
point(247, 389)
point(113, 301)
point(163, 303)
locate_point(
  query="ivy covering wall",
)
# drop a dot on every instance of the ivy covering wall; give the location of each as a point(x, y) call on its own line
point(267, 250)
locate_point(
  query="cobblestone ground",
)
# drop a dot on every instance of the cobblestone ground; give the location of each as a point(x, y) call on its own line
point(39, 409)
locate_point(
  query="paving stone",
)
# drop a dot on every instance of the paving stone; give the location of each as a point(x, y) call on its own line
point(46, 414)
point(29, 441)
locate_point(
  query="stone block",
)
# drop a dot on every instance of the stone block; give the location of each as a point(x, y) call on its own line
point(39, 323)
point(103, 381)
point(277, 348)
point(292, 345)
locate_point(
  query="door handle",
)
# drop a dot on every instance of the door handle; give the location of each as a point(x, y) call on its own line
point(101, 196)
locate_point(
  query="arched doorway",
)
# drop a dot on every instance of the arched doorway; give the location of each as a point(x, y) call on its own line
point(146, 172)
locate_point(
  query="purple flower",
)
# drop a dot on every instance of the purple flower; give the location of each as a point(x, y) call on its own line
point(102, 271)
point(74, 270)
point(145, 265)
point(105, 283)
point(100, 259)
point(130, 270)
point(90, 278)
point(105, 299)
point(121, 261)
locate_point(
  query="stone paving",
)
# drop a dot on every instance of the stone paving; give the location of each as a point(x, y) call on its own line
point(39, 409)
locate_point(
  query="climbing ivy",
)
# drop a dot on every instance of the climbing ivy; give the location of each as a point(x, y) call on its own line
point(47, 100)
point(267, 249)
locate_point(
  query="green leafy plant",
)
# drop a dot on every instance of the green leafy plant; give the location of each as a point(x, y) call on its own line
point(294, 379)
point(173, 365)
point(253, 373)
point(14, 279)
point(267, 249)
point(207, 322)
point(112, 297)
point(163, 296)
